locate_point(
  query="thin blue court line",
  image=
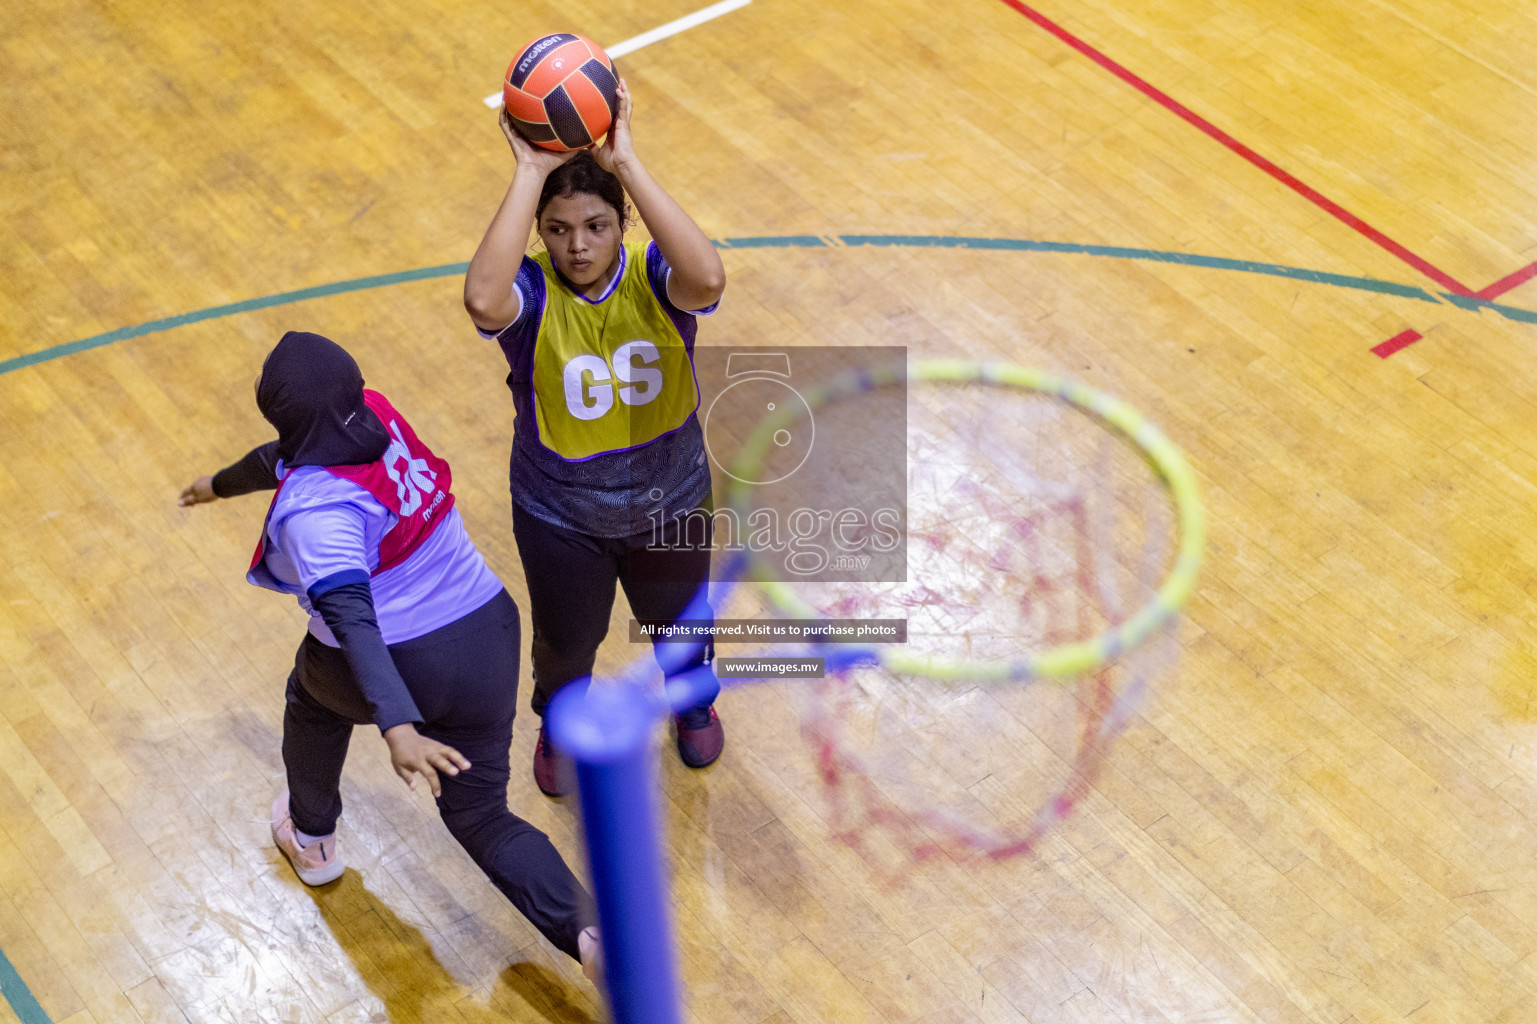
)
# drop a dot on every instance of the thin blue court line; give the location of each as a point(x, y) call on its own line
point(1474, 303)
point(1368, 284)
point(772, 242)
point(357, 284)
point(19, 996)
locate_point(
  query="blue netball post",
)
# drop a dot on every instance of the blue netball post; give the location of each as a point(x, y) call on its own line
point(607, 730)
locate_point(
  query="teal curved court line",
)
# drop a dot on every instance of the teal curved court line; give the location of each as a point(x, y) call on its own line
point(1368, 284)
point(19, 996)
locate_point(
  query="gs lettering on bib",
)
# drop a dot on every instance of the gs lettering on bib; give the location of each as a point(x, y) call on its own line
point(409, 480)
point(611, 375)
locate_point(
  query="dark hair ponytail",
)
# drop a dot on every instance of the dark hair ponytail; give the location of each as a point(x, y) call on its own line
point(582, 174)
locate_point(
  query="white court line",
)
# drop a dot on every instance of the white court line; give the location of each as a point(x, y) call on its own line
point(656, 35)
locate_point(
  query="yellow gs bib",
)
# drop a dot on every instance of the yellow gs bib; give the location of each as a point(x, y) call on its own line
point(612, 375)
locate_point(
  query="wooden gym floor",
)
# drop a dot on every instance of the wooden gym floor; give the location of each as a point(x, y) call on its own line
point(1329, 814)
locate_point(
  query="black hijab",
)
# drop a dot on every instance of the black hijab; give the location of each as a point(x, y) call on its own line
point(311, 390)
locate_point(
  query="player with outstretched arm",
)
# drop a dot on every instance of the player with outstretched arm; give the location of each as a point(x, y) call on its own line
point(409, 631)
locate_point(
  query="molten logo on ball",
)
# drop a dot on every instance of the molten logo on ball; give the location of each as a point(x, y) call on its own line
point(561, 92)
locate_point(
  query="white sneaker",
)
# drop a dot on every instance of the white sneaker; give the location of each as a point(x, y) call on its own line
point(315, 864)
point(591, 948)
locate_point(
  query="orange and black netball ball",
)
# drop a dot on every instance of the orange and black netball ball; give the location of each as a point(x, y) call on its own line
point(561, 92)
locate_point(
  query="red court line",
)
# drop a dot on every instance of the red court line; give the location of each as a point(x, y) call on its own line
point(1506, 284)
point(1396, 342)
point(1309, 193)
point(1488, 294)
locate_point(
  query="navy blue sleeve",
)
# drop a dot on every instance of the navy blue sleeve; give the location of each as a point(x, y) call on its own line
point(657, 272)
point(518, 337)
point(257, 471)
point(347, 605)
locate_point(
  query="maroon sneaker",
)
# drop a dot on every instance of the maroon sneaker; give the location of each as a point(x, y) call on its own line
point(554, 773)
point(700, 736)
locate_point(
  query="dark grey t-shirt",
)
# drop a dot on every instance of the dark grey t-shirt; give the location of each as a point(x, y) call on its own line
point(617, 494)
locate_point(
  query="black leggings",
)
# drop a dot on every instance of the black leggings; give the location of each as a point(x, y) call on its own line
point(571, 580)
point(464, 679)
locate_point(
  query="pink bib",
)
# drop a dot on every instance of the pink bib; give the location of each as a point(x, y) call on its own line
point(409, 480)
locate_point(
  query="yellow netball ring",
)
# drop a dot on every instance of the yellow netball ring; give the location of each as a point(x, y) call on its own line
point(1070, 659)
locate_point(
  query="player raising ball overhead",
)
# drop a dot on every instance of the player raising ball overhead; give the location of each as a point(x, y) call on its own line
point(599, 334)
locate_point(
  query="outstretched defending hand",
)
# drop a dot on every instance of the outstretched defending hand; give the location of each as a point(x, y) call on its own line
point(200, 491)
point(411, 753)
